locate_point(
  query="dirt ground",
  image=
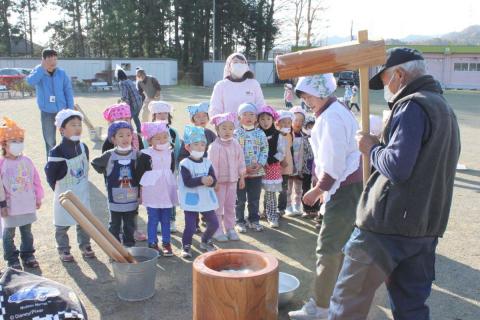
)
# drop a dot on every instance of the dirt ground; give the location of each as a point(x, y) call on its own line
point(455, 294)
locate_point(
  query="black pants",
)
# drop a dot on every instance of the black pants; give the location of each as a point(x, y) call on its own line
point(128, 219)
point(306, 185)
point(282, 196)
point(353, 104)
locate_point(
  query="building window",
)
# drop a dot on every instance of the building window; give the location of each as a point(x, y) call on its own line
point(466, 66)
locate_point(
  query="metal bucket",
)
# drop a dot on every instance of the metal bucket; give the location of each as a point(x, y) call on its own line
point(136, 281)
point(96, 134)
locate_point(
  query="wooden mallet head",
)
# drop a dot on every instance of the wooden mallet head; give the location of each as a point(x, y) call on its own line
point(360, 55)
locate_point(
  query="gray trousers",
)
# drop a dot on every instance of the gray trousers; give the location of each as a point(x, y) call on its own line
point(49, 130)
point(337, 226)
point(63, 242)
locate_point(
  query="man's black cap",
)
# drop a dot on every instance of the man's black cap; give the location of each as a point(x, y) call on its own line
point(395, 56)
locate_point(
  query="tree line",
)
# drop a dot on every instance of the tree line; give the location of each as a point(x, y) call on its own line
point(178, 29)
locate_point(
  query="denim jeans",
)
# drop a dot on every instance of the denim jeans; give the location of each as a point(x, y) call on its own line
point(49, 130)
point(156, 215)
point(406, 265)
point(251, 193)
point(63, 242)
point(10, 252)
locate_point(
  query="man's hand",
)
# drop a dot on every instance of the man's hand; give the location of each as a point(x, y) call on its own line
point(366, 142)
point(312, 196)
point(207, 181)
point(4, 212)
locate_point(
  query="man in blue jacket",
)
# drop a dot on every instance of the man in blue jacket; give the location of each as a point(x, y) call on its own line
point(54, 93)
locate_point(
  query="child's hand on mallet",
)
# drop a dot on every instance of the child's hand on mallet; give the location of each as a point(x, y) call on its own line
point(241, 183)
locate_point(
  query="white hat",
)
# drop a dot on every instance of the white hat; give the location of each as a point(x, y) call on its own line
point(319, 85)
point(159, 106)
point(283, 114)
point(64, 115)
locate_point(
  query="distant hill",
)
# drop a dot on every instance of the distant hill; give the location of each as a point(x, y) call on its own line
point(468, 36)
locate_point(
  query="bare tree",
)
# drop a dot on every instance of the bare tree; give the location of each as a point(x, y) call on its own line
point(314, 8)
point(298, 20)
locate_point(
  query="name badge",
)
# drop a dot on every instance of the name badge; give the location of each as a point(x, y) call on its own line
point(52, 99)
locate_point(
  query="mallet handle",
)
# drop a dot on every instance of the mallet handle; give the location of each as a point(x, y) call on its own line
point(365, 104)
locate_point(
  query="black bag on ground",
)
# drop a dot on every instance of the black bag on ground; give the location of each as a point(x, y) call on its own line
point(26, 296)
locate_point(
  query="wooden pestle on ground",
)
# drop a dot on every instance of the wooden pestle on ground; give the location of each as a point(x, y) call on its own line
point(95, 229)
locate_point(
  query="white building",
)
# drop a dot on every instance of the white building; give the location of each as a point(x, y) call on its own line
point(81, 69)
point(264, 72)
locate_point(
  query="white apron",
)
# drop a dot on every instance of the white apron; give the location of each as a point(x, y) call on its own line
point(75, 180)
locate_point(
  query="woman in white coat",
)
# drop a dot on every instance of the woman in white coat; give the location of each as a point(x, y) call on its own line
point(237, 86)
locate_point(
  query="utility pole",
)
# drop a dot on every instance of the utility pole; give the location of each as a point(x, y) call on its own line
point(213, 57)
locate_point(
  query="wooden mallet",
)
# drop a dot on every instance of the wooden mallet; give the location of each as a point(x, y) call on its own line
point(353, 55)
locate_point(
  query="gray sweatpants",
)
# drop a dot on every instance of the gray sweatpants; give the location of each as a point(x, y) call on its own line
point(63, 242)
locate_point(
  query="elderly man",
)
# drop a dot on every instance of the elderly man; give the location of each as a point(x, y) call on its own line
point(54, 93)
point(149, 89)
point(337, 166)
point(405, 205)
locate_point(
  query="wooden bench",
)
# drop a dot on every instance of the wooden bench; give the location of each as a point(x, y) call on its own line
point(4, 91)
point(101, 86)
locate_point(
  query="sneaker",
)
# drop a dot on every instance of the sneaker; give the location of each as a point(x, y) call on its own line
point(198, 230)
point(207, 246)
point(232, 235)
point(240, 227)
point(30, 263)
point(274, 224)
point(255, 226)
point(281, 213)
point(154, 246)
point(173, 226)
point(220, 237)
point(15, 265)
point(66, 257)
point(159, 228)
point(309, 311)
point(167, 250)
point(88, 253)
point(297, 208)
point(186, 252)
point(139, 236)
point(290, 212)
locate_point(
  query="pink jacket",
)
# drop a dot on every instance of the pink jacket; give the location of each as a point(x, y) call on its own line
point(227, 160)
point(228, 95)
point(21, 182)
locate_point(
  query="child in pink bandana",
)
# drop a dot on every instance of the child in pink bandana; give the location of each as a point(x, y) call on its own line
point(159, 186)
point(228, 162)
point(120, 112)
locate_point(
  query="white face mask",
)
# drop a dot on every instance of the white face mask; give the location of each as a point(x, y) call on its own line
point(197, 154)
point(307, 131)
point(239, 69)
point(285, 130)
point(162, 121)
point(16, 148)
point(161, 147)
point(75, 138)
point(226, 140)
point(387, 94)
point(124, 149)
